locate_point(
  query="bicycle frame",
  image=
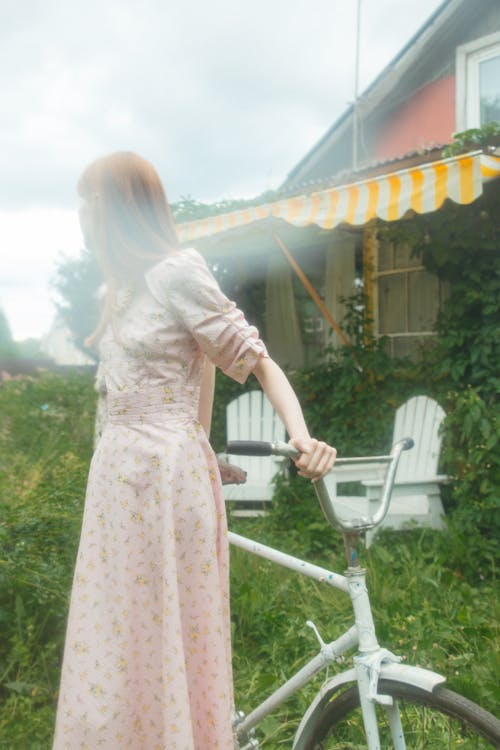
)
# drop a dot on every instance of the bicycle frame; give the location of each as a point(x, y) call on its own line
point(371, 662)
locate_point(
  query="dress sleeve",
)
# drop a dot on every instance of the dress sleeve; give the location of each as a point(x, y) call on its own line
point(184, 283)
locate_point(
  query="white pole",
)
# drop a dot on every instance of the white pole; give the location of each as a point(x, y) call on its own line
point(355, 114)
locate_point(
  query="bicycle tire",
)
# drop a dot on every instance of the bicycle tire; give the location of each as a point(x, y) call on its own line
point(431, 721)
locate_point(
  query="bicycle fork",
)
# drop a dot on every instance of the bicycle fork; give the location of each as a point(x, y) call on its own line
point(367, 665)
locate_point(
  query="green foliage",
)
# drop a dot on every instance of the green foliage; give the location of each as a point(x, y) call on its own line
point(461, 244)
point(77, 281)
point(463, 249)
point(350, 396)
point(11, 350)
point(434, 617)
point(45, 441)
point(474, 138)
point(472, 452)
point(28, 349)
point(8, 347)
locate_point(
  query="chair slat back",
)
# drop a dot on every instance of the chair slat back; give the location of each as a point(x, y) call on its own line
point(419, 418)
point(252, 417)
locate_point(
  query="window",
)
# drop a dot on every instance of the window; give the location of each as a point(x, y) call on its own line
point(478, 82)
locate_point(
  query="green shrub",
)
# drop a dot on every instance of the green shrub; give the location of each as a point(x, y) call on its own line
point(473, 458)
point(461, 244)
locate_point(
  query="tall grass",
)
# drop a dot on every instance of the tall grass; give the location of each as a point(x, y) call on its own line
point(45, 444)
point(428, 608)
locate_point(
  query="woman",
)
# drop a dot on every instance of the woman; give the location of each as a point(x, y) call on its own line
point(147, 662)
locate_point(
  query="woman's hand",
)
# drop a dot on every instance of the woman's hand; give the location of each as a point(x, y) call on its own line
point(316, 458)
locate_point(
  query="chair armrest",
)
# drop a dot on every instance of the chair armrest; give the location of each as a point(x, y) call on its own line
point(358, 473)
point(438, 479)
point(278, 459)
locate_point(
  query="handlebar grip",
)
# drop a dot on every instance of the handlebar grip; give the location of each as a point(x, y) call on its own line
point(249, 448)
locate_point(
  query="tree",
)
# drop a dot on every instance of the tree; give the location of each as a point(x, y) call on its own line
point(77, 281)
point(8, 348)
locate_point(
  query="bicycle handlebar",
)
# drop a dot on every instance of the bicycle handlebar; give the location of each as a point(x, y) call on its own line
point(257, 448)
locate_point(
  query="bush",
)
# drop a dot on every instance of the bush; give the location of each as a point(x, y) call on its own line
point(472, 454)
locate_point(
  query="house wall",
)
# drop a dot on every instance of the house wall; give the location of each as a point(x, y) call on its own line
point(423, 114)
point(428, 118)
point(421, 110)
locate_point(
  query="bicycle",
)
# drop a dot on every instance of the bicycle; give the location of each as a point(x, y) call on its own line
point(378, 702)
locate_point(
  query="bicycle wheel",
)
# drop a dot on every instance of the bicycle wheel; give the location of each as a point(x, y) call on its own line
point(431, 721)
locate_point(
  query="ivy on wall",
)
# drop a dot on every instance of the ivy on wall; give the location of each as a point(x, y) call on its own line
point(461, 244)
point(485, 137)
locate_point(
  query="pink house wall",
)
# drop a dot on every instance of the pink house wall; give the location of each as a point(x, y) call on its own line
point(427, 119)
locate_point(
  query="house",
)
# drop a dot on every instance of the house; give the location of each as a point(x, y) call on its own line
point(445, 80)
point(381, 161)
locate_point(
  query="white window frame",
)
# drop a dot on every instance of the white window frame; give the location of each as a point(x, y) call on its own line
point(468, 58)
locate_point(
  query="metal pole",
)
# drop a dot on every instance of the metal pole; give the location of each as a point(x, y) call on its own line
point(355, 113)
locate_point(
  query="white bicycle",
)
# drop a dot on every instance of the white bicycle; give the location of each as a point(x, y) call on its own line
point(378, 702)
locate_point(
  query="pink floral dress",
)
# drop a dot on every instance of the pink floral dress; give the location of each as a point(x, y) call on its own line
point(147, 661)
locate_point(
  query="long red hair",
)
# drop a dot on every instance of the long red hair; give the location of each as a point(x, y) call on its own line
point(133, 226)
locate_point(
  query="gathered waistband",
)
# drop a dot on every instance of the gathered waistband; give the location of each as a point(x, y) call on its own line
point(127, 406)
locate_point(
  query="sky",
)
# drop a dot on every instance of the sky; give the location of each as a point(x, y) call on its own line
point(223, 96)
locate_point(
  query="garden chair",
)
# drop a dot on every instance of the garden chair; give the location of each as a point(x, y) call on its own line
point(252, 417)
point(416, 499)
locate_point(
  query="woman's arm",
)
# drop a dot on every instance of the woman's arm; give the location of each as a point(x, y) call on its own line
point(317, 458)
point(206, 396)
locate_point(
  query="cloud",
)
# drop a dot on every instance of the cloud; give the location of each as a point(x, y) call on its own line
point(224, 97)
point(31, 243)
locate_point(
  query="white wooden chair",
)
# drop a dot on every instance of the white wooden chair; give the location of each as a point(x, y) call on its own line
point(252, 417)
point(416, 499)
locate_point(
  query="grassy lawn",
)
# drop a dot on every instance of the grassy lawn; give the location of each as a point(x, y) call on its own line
point(432, 606)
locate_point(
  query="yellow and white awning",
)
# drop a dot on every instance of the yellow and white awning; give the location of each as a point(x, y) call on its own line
point(389, 197)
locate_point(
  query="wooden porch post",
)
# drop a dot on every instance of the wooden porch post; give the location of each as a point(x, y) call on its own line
point(370, 248)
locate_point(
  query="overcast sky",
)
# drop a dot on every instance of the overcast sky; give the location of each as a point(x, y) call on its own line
point(223, 96)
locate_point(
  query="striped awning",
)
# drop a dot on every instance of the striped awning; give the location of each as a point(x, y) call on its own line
point(389, 197)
